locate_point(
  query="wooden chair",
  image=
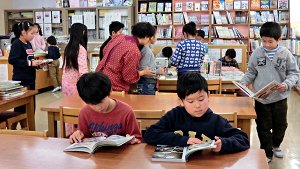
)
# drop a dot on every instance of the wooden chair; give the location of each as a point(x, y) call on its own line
point(215, 84)
point(231, 117)
point(167, 85)
point(223, 95)
point(25, 133)
point(157, 93)
point(67, 115)
point(3, 125)
point(12, 117)
point(148, 117)
point(118, 93)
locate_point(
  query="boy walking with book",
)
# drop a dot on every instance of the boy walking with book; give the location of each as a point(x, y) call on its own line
point(271, 62)
point(103, 116)
point(184, 124)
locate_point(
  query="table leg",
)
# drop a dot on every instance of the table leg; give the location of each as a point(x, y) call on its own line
point(51, 128)
point(30, 113)
point(245, 125)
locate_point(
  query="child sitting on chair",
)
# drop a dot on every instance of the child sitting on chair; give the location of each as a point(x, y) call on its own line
point(172, 128)
point(228, 59)
point(103, 116)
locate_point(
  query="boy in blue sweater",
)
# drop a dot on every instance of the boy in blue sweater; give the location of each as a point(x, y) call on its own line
point(184, 124)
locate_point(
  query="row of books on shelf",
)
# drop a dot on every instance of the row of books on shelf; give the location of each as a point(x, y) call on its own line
point(191, 6)
point(254, 32)
point(156, 7)
point(225, 32)
point(156, 19)
point(290, 44)
point(11, 89)
point(91, 3)
point(240, 18)
point(124, 20)
point(254, 4)
point(260, 17)
point(226, 41)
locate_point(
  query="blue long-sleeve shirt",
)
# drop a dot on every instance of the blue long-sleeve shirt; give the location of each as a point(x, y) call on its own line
point(210, 124)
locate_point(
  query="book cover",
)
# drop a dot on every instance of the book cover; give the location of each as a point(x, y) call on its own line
point(178, 6)
point(283, 4)
point(152, 7)
point(179, 33)
point(143, 7)
point(273, 4)
point(189, 6)
point(118, 2)
point(255, 4)
point(91, 145)
point(197, 6)
point(168, 6)
point(237, 4)
point(59, 4)
point(261, 94)
point(178, 153)
point(160, 7)
point(204, 5)
point(265, 4)
point(92, 3)
point(244, 4)
point(228, 4)
point(186, 18)
point(127, 2)
point(216, 5)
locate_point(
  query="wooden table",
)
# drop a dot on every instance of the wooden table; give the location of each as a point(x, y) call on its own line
point(38, 152)
point(242, 105)
point(25, 99)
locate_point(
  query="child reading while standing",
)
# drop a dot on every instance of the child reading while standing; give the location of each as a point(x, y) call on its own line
point(184, 124)
point(103, 116)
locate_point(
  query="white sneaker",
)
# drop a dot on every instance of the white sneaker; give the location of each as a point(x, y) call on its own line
point(277, 152)
point(56, 89)
point(268, 159)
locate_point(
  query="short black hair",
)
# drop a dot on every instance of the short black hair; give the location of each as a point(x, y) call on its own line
point(115, 26)
point(231, 53)
point(93, 87)
point(190, 28)
point(201, 33)
point(190, 82)
point(18, 27)
point(51, 40)
point(143, 29)
point(271, 30)
point(167, 51)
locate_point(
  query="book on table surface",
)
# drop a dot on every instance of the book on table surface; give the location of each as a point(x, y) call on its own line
point(91, 145)
point(177, 153)
point(262, 93)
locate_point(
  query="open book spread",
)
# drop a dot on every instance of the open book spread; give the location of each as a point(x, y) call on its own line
point(180, 154)
point(90, 145)
point(262, 93)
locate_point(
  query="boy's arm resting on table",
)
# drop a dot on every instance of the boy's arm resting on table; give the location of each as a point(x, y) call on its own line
point(77, 136)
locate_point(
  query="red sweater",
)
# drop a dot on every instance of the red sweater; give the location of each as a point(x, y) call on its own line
point(121, 120)
point(120, 62)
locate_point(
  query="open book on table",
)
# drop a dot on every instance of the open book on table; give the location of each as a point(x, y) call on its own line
point(91, 145)
point(177, 153)
point(262, 93)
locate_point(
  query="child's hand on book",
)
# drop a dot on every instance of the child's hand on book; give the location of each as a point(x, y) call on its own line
point(192, 141)
point(77, 136)
point(36, 62)
point(281, 88)
point(218, 143)
point(133, 140)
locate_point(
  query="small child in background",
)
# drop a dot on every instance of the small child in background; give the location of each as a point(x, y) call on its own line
point(38, 40)
point(53, 53)
point(146, 85)
point(228, 59)
point(200, 37)
point(166, 52)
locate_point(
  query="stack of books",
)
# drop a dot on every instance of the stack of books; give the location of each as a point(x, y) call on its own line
point(11, 89)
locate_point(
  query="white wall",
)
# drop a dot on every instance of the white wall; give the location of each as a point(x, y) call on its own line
point(33, 4)
point(5, 4)
point(294, 12)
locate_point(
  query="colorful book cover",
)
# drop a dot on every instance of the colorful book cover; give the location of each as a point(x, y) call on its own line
point(189, 6)
point(143, 7)
point(283, 4)
point(118, 2)
point(204, 5)
point(178, 6)
point(237, 4)
point(222, 4)
point(197, 6)
point(168, 6)
point(273, 4)
point(216, 5)
point(92, 3)
point(228, 4)
point(160, 7)
point(58, 3)
point(265, 4)
point(244, 4)
point(255, 4)
point(152, 7)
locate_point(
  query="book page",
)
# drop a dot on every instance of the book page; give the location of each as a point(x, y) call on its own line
point(197, 147)
point(243, 88)
point(266, 91)
point(169, 153)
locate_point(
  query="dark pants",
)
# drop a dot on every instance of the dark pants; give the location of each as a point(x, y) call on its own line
point(144, 87)
point(271, 124)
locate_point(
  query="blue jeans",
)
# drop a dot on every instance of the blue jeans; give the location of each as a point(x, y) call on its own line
point(145, 88)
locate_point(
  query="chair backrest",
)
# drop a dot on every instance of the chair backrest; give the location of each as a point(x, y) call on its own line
point(231, 117)
point(167, 85)
point(157, 93)
point(223, 95)
point(148, 117)
point(215, 84)
point(25, 133)
point(118, 93)
point(67, 115)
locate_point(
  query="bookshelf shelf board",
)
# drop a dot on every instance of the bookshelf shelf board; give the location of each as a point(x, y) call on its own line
point(232, 38)
point(19, 18)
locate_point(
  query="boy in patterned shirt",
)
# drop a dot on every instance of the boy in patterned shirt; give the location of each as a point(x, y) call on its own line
point(228, 59)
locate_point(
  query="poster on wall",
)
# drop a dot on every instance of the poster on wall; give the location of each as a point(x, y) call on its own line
point(3, 72)
point(39, 17)
point(89, 19)
point(47, 17)
point(47, 29)
point(55, 17)
point(108, 18)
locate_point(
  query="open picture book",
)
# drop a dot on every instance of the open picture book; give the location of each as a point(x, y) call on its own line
point(91, 145)
point(180, 154)
point(262, 93)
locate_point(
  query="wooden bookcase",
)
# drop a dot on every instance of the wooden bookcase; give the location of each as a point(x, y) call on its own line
point(210, 24)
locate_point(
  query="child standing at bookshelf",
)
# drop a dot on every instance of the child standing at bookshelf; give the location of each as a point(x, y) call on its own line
point(38, 40)
point(228, 59)
point(115, 28)
point(53, 53)
point(172, 128)
point(21, 56)
point(146, 85)
point(200, 37)
point(75, 62)
point(103, 116)
point(271, 62)
point(189, 53)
